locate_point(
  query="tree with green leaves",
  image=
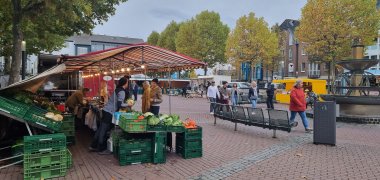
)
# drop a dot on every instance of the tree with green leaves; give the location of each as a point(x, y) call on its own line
point(252, 41)
point(44, 24)
point(153, 38)
point(331, 27)
point(167, 36)
point(203, 37)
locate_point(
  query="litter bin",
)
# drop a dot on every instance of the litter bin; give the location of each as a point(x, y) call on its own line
point(325, 123)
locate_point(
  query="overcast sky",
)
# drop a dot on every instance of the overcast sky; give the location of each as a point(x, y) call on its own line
point(138, 18)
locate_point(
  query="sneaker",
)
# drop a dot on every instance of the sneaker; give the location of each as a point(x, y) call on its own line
point(91, 149)
point(211, 112)
point(105, 152)
point(295, 124)
point(309, 130)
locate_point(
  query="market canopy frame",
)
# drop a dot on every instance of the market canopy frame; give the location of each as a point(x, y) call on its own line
point(137, 58)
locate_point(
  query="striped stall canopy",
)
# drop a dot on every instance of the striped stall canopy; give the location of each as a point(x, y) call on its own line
point(137, 58)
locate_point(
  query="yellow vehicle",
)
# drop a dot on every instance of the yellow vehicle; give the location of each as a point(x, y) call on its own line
point(318, 86)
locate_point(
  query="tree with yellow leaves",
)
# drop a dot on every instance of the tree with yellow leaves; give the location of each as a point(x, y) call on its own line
point(331, 27)
point(251, 41)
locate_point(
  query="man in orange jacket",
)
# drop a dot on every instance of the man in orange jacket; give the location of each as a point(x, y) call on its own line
point(298, 105)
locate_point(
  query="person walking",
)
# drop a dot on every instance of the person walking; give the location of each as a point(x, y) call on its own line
point(253, 95)
point(298, 105)
point(270, 94)
point(224, 93)
point(212, 94)
point(235, 95)
point(155, 97)
point(115, 102)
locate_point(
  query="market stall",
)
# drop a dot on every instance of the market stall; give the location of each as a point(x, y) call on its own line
point(104, 67)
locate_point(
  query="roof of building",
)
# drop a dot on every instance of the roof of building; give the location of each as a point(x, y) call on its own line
point(86, 39)
point(289, 24)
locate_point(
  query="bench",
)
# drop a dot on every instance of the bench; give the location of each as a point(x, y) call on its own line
point(278, 119)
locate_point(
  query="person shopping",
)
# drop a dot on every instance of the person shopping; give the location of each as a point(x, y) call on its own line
point(155, 97)
point(270, 94)
point(298, 105)
point(76, 99)
point(115, 102)
point(145, 106)
point(253, 95)
point(212, 94)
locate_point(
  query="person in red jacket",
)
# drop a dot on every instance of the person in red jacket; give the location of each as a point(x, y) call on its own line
point(298, 105)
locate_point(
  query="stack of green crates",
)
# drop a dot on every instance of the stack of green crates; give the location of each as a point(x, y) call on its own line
point(189, 143)
point(134, 151)
point(13, 107)
point(45, 156)
point(159, 150)
point(68, 128)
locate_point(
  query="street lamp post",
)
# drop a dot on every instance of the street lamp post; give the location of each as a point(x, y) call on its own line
point(282, 69)
point(23, 64)
point(297, 46)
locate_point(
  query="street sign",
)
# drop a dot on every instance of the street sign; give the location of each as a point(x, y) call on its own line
point(291, 67)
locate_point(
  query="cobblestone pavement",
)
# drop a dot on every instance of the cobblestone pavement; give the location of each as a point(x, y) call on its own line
point(248, 153)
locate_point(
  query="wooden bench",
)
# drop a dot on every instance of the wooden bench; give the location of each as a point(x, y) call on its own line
point(278, 119)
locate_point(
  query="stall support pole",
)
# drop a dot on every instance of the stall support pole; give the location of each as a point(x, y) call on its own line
point(170, 101)
point(27, 127)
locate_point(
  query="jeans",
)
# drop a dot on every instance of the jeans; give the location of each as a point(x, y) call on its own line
point(212, 104)
point(234, 100)
point(303, 117)
point(100, 139)
point(155, 110)
point(254, 102)
point(270, 102)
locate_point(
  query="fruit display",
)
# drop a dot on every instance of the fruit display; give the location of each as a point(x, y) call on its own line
point(130, 102)
point(55, 117)
point(190, 124)
point(32, 99)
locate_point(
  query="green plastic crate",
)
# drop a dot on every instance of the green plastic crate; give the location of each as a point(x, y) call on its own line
point(133, 125)
point(159, 152)
point(134, 146)
point(13, 107)
point(69, 159)
point(68, 132)
point(135, 159)
point(156, 128)
point(189, 153)
point(195, 133)
point(43, 159)
point(177, 129)
point(37, 115)
point(130, 115)
point(70, 140)
point(188, 143)
point(46, 172)
point(46, 142)
point(18, 149)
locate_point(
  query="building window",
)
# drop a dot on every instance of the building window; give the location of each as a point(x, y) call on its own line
point(82, 50)
point(326, 67)
point(303, 51)
point(303, 67)
point(97, 47)
point(290, 54)
point(374, 57)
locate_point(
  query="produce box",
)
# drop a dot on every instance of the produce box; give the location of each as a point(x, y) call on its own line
point(155, 128)
point(195, 133)
point(45, 172)
point(188, 144)
point(128, 115)
point(37, 115)
point(43, 159)
point(135, 151)
point(133, 125)
point(46, 142)
point(159, 153)
point(134, 146)
point(13, 107)
point(189, 153)
point(177, 129)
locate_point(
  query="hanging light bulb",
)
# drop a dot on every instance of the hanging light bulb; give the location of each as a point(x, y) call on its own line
point(128, 69)
point(122, 69)
point(92, 75)
point(113, 72)
point(117, 71)
point(105, 73)
point(143, 66)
